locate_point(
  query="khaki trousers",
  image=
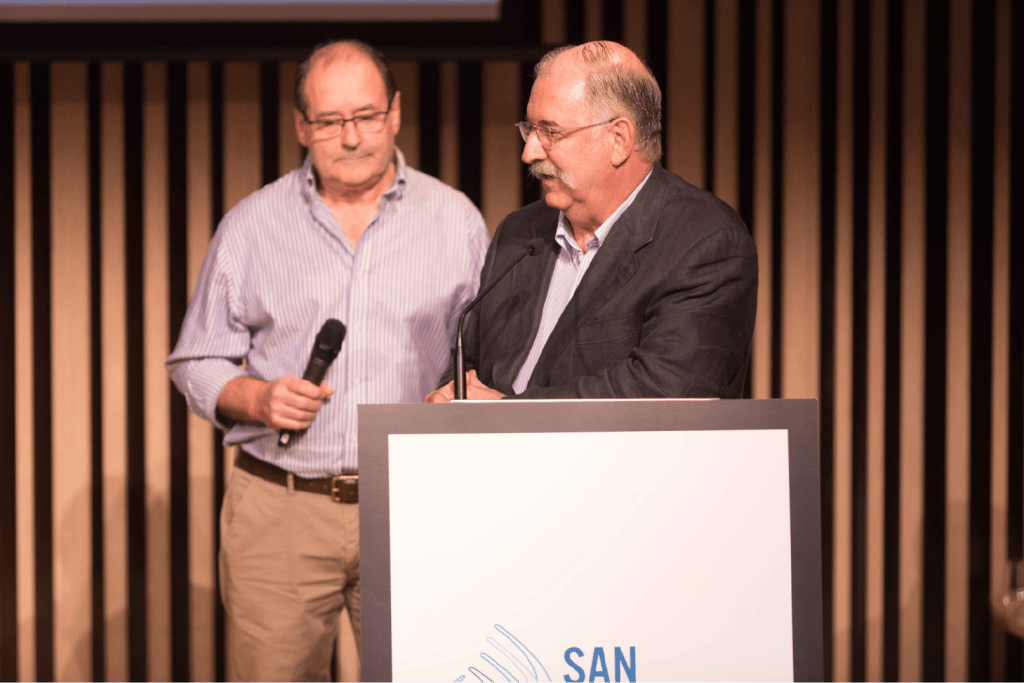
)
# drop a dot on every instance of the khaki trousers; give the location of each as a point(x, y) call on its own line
point(289, 562)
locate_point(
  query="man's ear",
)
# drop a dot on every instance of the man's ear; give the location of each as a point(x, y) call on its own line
point(396, 112)
point(301, 129)
point(624, 142)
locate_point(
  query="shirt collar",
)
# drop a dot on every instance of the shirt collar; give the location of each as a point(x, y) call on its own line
point(395, 192)
point(564, 237)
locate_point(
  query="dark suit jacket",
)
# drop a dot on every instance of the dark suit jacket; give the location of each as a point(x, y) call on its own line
point(666, 309)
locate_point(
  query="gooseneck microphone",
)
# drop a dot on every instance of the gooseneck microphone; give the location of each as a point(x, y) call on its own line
point(532, 247)
point(325, 350)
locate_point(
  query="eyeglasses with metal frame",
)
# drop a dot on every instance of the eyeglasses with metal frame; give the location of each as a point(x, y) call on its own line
point(549, 136)
point(369, 123)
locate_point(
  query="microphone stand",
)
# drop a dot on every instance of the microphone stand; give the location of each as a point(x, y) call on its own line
point(532, 247)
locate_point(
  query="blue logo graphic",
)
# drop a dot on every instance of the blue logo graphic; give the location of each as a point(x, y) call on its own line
point(507, 662)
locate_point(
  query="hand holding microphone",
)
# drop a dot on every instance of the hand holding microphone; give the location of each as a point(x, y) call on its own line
point(325, 350)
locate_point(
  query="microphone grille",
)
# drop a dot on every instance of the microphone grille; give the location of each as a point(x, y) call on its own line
point(331, 334)
point(535, 245)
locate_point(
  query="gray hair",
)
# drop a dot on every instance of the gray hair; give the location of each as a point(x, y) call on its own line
point(622, 90)
point(375, 56)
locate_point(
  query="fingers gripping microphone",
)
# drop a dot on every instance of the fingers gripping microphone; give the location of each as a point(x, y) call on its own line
point(325, 350)
point(532, 247)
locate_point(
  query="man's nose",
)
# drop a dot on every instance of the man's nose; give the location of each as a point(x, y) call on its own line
point(533, 150)
point(350, 136)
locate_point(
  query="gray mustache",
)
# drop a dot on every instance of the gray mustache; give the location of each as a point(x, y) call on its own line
point(543, 169)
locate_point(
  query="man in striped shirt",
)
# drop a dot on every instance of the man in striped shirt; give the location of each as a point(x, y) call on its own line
point(355, 235)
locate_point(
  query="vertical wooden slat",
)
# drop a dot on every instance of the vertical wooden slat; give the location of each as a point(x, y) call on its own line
point(95, 236)
point(291, 155)
point(8, 399)
point(502, 144)
point(270, 120)
point(22, 371)
point(800, 208)
point(42, 336)
point(408, 139)
point(843, 340)
point(892, 531)
point(553, 22)
point(470, 75)
point(876, 314)
point(1000, 324)
point(634, 26)
point(912, 347)
point(761, 351)
point(177, 300)
point(242, 151)
point(980, 326)
point(113, 335)
point(203, 507)
point(958, 399)
point(593, 29)
point(449, 95)
point(726, 72)
point(685, 89)
point(70, 352)
point(155, 344)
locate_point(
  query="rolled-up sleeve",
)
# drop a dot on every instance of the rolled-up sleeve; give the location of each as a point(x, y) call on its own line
point(212, 344)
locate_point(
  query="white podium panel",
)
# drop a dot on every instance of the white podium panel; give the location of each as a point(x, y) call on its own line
point(580, 541)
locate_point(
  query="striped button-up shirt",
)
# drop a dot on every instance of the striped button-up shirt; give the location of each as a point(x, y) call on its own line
point(570, 267)
point(279, 266)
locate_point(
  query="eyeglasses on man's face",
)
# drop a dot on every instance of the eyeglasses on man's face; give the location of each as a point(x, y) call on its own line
point(329, 127)
point(549, 136)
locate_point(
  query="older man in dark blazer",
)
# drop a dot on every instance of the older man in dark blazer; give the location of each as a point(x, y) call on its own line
point(645, 287)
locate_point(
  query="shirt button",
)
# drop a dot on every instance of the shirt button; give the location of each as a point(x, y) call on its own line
point(357, 381)
point(359, 275)
point(358, 327)
point(353, 439)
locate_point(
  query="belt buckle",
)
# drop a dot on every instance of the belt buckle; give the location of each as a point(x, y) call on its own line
point(345, 488)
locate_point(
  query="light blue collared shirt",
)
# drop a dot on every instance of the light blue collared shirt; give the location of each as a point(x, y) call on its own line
point(570, 267)
point(279, 266)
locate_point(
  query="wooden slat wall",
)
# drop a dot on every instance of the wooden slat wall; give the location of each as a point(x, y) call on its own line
point(868, 145)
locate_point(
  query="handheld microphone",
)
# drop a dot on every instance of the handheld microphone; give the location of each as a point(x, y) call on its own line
point(532, 247)
point(325, 350)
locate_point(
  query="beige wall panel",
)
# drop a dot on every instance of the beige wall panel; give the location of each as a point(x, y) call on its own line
point(449, 161)
point(1000, 320)
point(502, 144)
point(876, 407)
point(593, 26)
point(634, 26)
point(114, 352)
point(726, 181)
point(912, 345)
point(156, 382)
point(408, 139)
point(552, 22)
point(202, 506)
point(800, 202)
point(242, 134)
point(684, 92)
point(761, 347)
point(290, 154)
point(24, 445)
point(958, 342)
point(842, 526)
point(69, 355)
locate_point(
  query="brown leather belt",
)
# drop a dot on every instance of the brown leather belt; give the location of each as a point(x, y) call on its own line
point(342, 488)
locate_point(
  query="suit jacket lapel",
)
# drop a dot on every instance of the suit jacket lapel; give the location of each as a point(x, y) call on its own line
point(522, 325)
point(611, 268)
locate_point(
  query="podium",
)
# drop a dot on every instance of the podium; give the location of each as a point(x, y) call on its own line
point(606, 540)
